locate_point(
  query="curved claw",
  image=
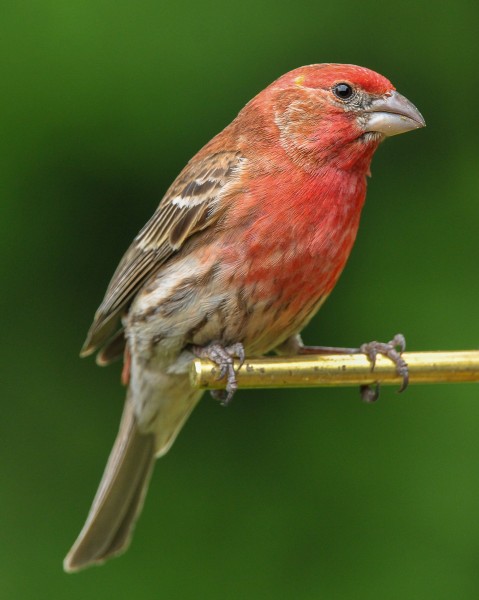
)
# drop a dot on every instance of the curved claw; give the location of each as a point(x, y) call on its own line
point(369, 394)
point(405, 377)
point(224, 396)
point(238, 350)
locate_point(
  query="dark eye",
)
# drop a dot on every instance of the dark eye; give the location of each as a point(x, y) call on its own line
point(343, 91)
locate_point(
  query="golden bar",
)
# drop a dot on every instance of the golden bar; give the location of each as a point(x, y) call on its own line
point(339, 369)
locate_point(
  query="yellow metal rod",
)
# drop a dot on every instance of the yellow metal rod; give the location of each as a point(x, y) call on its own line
point(339, 369)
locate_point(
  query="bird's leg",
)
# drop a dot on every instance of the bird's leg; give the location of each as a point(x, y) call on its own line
point(392, 349)
point(223, 357)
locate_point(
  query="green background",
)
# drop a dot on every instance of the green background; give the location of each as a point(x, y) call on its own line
point(286, 494)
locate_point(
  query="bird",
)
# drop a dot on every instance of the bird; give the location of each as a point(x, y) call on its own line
point(243, 249)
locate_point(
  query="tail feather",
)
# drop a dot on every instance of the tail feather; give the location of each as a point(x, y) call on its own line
point(121, 540)
point(119, 499)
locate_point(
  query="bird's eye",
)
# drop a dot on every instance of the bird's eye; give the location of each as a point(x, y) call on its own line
point(343, 91)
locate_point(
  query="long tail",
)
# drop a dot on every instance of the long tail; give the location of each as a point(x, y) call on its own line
point(119, 499)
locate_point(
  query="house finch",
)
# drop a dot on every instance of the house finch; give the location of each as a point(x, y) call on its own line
point(245, 247)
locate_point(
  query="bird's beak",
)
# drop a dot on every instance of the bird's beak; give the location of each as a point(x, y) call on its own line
point(392, 114)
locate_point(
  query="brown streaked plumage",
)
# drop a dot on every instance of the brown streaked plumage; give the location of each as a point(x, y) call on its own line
point(246, 245)
point(190, 205)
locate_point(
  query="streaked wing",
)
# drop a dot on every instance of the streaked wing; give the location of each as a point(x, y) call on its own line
point(191, 204)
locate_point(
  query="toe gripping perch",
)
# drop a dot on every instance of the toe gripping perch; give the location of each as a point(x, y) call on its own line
point(314, 366)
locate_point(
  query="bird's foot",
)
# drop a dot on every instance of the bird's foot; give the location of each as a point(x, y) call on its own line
point(392, 350)
point(223, 356)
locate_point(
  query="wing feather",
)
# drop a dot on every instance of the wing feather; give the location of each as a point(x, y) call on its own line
point(191, 204)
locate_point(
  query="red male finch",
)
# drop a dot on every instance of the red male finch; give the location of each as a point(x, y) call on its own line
point(245, 247)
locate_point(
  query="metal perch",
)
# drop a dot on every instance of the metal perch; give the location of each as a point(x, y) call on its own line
point(338, 370)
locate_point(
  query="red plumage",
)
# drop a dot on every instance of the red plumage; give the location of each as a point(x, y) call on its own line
point(247, 243)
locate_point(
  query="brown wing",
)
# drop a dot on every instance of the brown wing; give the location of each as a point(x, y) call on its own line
point(191, 204)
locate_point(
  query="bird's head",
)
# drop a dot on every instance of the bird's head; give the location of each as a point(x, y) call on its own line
point(338, 114)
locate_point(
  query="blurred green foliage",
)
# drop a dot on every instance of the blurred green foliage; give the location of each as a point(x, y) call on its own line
point(286, 494)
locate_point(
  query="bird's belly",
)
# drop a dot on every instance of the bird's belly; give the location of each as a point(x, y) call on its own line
point(259, 301)
point(277, 308)
point(248, 303)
